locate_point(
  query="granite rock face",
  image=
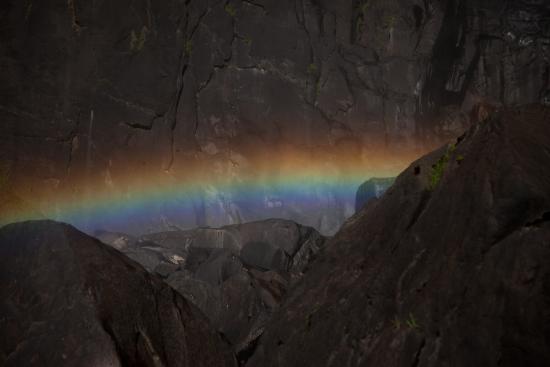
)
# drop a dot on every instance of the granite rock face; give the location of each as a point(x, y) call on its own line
point(450, 267)
point(95, 92)
point(69, 300)
point(371, 189)
point(237, 275)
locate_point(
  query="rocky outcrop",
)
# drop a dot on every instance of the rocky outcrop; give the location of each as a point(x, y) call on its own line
point(236, 275)
point(449, 267)
point(371, 189)
point(98, 95)
point(69, 300)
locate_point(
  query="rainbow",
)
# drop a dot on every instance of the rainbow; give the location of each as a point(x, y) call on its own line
point(140, 202)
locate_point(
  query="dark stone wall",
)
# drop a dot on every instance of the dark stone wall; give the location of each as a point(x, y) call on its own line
point(94, 92)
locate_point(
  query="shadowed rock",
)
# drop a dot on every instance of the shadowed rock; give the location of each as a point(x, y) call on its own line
point(451, 267)
point(69, 300)
point(237, 275)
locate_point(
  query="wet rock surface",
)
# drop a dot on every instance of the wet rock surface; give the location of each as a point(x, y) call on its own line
point(95, 91)
point(67, 299)
point(449, 267)
point(237, 275)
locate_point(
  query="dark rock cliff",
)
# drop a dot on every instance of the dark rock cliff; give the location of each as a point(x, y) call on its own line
point(451, 267)
point(94, 89)
point(68, 300)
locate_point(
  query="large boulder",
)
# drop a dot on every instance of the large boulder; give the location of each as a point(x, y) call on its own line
point(451, 267)
point(237, 275)
point(69, 300)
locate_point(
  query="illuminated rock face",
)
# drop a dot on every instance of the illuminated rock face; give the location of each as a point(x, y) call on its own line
point(70, 300)
point(108, 97)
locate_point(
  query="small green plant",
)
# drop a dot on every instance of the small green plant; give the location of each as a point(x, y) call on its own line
point(312, 69)
point(230, 9)
point(389, 21)
point(188, 47)
point(411, 322)
point(439, 167)
point(137, 41)
point(459, 158)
